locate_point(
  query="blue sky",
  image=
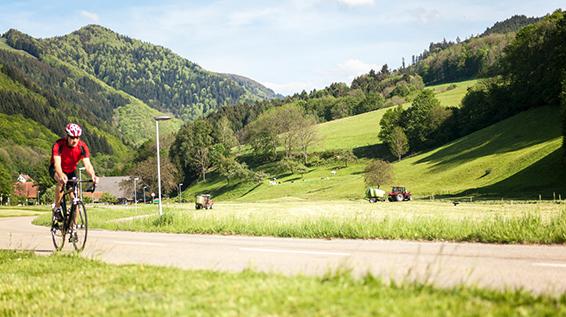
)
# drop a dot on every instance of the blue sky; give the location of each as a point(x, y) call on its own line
point(286, 45)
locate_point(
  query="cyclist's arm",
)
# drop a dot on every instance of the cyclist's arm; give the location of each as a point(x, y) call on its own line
point(58, 169)
point(90, 169)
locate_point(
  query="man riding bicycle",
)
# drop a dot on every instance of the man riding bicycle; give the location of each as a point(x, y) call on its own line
point(66, 155)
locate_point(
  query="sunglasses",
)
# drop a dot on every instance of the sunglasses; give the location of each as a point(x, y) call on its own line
point(73, 137)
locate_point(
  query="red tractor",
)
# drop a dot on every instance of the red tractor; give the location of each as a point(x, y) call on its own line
point(399, 193)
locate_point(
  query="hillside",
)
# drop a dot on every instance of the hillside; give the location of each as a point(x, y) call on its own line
point(151, 73)
point(498, 161)
point(361, 130)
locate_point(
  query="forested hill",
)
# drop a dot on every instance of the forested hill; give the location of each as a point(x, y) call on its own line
point(475, 57)
point(513, 24)
point(156, 75)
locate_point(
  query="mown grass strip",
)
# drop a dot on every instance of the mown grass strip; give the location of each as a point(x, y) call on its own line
point(528, 227)
point(69, 285)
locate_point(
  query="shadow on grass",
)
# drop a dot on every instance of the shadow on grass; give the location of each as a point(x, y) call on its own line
point(545, 177)
point(512, 134)
point(375, 151)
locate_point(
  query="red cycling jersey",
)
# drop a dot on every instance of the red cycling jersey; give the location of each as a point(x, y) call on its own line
point(70, 156)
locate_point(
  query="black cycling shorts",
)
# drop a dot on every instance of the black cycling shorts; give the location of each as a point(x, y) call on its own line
point(69, 175)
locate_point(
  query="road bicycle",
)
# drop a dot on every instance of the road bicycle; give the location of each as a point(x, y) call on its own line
point(74, 226)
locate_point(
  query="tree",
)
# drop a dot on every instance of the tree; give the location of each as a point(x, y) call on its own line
point(290, 165)
point(378, 172)
point(398, 143)
point(423, 118)
point(5, 181)
point(287, 125)
point(232, 169)
point(145, 170)
point(346, 156)
point(192, 148)
point(224, 134)
point(307, 136)
point(391, 119)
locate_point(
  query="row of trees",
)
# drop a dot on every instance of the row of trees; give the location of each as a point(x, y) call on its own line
point(287, 126)
point(478, 56)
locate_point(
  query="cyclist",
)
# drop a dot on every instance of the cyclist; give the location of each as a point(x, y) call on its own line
point(67, 152)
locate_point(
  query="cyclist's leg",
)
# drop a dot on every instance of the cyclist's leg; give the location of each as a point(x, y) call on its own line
point(58, 186)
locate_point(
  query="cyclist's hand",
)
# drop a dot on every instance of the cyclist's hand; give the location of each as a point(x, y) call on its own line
point(63, 179)
point(95, 180)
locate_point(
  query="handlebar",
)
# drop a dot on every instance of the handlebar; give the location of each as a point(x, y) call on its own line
point(73, 182)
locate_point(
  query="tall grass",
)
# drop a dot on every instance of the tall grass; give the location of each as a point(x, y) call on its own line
point(527, 227)
point(70, 285)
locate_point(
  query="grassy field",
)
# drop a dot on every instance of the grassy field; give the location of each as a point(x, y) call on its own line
point(494, 222)
point(498, 161)
point(9, 211)
point(31, 286)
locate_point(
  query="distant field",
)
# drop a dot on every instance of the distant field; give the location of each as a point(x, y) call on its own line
point(92, 288)
point(454, 96)
point(362, 130)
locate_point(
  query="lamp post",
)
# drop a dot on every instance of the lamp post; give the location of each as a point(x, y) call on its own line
point(180, 192)
point(135, 190)
point(157, 119)
point(144, 194)
point(80, 179)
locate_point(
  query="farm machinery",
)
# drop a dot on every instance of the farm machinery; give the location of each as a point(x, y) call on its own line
point(399, 193)
point(203, 201)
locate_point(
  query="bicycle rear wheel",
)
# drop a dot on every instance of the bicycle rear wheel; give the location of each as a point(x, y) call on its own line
point(80, 230)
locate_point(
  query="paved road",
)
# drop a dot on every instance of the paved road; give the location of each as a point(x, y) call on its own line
point(536, 268)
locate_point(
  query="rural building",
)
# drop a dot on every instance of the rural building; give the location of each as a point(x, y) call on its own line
point(25, 187)
point(111, 185)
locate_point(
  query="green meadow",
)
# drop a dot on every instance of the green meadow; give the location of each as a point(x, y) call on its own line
point(32, 287)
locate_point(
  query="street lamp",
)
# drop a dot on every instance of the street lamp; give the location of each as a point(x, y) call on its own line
point(80, 179)
point(180, 192)
point(157, 119)
point(135, 191)
point(144, 194)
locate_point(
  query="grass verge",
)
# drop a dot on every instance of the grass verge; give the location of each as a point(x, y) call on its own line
point(31, 285)
point(532, 225)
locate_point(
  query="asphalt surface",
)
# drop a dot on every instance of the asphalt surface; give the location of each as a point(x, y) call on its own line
point(537, 268)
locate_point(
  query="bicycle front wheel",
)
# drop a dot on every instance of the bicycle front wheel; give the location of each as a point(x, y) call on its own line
point(80, 229)
point(58, 234)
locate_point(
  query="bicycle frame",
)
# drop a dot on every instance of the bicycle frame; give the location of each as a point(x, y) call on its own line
point(69, 225)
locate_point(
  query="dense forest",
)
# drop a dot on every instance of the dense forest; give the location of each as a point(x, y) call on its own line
point(156, 75)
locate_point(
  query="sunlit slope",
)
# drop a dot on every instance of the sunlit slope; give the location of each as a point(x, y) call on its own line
point(361, 130)
point(516, 157)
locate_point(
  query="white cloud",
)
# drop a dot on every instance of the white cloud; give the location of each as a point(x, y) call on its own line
point(354, 67)
point(93, 17)
point(424, 15)
point(357, 3)
point(289, 88)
